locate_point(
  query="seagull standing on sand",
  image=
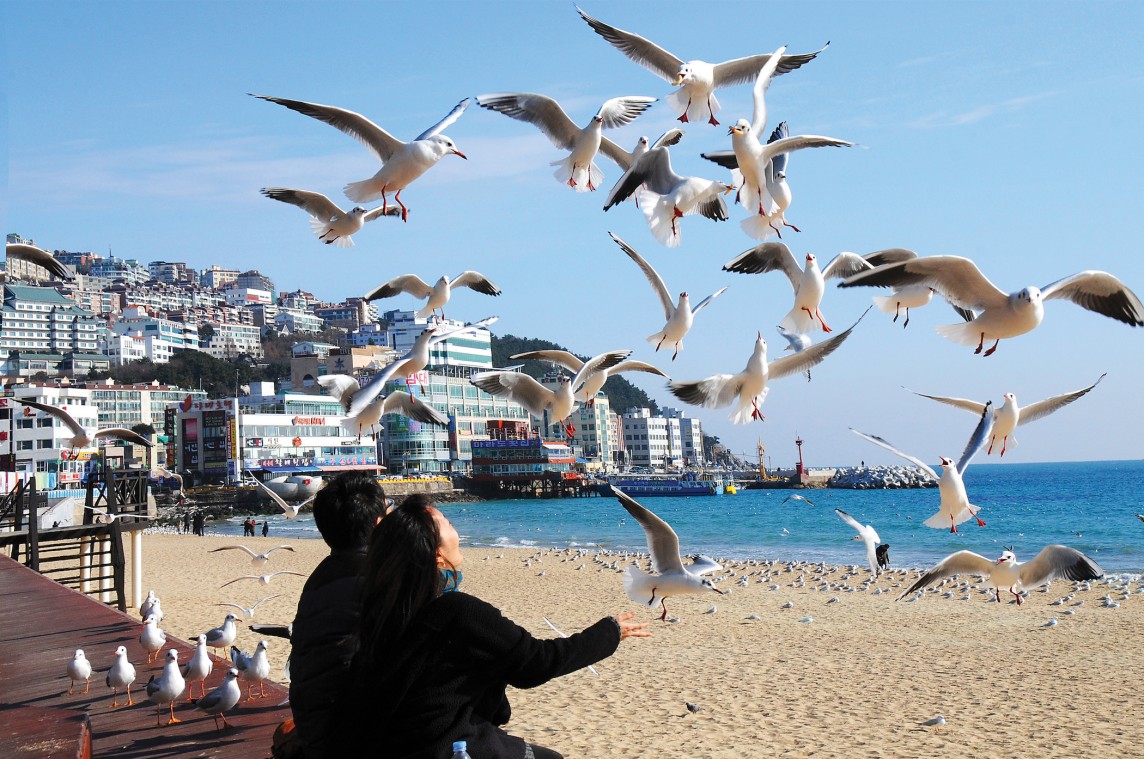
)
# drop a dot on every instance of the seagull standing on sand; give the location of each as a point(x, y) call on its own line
point(33, 255)
point(253, 668)
point(79, 668)
point(256, 559)
point(1052, 563)
point(593, 382)
point(1010, 416)
point(121, 675)
point(402, 162)
point(579, 170)
point(167, 687)
point(808, 283)
point(437, 294)
point(332, 225)
point(223, 635)
point(665, 196)
point(697, 80)
point(955, 507)
point(538, 399)
point(868, 535)
point(81, 438)
point(343, 388)
point(998, 315)
point(748, 389)
point(222, 699)
point(671, 577)
point(198, 668)
point(679, 317)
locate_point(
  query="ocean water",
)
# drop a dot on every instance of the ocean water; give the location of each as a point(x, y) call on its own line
point(1027, 506)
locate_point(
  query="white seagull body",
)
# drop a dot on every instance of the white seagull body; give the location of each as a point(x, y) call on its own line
point(33, 255)
point(808, 283)
point(223, 635)
point(198, 668)
point(81, 438)
point(147, 608)
point(412, 362)
point(290, 510)
point(253, 668)
point(679, 316)
point(121, 675)
point(1000, 315)
point(437, 294)
point(592, 382)
point(332, 225)
point(262, 579)
point(222, 699)
point(538, 399)
point(256, 559)
point(151, 637)
point(671, 577)
point(643, 145)
point(1010, 416)
point(867, 534)
point(579, 170)
point(167, 687)
point(402, 162)
point(955, 507)
point(697, 80)
point(248, 611)
point(79, 668)
point(666, 196)
point(747, 390)
point(1053, 562)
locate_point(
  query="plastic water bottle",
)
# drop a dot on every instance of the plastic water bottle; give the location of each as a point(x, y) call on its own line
point(461, 750)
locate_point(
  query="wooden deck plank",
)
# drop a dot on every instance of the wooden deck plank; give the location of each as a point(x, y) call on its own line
point(42, 623)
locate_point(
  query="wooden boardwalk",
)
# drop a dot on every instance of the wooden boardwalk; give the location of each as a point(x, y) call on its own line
point(42, 623)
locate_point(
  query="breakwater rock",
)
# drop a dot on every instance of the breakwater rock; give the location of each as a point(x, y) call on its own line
point(881, 477)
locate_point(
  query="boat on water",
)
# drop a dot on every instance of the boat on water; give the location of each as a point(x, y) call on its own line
point(683, 484)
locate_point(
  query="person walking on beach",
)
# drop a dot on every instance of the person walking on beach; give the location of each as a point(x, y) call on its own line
point(433, 663)
point(322, 637)
point(186, 522)
point(265, 528)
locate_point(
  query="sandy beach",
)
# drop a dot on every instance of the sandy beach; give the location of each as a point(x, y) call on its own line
point(855, 681)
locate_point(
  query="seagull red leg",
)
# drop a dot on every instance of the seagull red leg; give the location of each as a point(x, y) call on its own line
point(994, 348)
point(980, 344)
point(404, 210)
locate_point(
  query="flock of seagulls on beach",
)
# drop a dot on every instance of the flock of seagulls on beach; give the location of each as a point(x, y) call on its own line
point(759, 182)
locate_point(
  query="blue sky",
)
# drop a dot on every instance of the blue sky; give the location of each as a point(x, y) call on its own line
point(1004, 132)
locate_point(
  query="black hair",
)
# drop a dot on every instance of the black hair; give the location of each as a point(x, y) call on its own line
point(400, 577)
point(347, 508)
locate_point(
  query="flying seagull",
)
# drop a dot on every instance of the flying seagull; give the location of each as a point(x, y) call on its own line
point(998, 315)
point(33, 255)
point(1010, 416)
point(747, 390)
point(402, 162)
point(671, 577)
point(679, 316)
point(290, 510)
point(1052, 563)
point(81, 438)
point(256, 559)
point(955, 507)
point(697, 80)
point(332, 225)
point(343, 388)
point(593, 382)
point(867, 534)
point(437, 294)
point(579, 170)
point(808, 283)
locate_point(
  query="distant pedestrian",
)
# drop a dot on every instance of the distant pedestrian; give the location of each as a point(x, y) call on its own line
point(186, 522)
point(265, 528)
point(199, 523)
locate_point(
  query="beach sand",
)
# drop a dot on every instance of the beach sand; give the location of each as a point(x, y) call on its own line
point(854, 682)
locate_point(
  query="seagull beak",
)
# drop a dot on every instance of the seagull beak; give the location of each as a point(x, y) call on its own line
point(720, 592)
point(1001, 560)
point(677, 81)
point(457, 152)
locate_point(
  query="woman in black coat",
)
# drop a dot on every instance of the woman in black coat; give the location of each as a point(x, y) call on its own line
point(433, 662)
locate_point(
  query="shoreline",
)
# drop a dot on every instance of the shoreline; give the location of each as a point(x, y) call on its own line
point(853, 682)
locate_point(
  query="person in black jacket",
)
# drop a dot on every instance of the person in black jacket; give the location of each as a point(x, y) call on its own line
point(433, 662)
point(322, 637)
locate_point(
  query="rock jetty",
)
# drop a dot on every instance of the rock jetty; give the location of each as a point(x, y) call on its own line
point(880, 477)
